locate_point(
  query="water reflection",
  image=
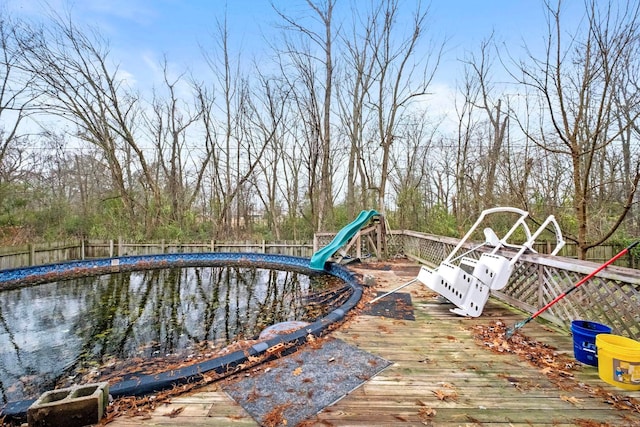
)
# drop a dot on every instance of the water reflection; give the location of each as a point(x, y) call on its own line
point(58, 329)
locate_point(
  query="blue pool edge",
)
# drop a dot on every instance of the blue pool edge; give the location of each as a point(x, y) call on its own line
point(223, 365)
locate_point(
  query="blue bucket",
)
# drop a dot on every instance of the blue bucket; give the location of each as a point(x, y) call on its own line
point(584, 340)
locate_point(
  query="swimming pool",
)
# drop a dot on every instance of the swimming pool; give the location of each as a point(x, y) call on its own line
point(190, 306)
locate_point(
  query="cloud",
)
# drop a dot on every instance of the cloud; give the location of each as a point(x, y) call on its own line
point(137, 11)
point(440, 105)
point(126, 77)
point(442, 100)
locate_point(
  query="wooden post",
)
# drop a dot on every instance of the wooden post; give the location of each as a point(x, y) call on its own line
point(540, 286)
point(379, 249)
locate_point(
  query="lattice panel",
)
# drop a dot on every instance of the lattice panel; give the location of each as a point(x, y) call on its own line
point(429, 251)
point(394, 244)
point(521, 286)
point(611, 302)
point(605, 300)
point(324, 239)
point(611, 298)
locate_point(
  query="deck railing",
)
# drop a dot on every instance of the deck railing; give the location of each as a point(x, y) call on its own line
point(49, 253)
point(612, 297)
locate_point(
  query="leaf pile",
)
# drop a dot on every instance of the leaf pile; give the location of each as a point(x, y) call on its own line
point(555, 366)
point(141, 406)
point(114, 370)
point(276, 416)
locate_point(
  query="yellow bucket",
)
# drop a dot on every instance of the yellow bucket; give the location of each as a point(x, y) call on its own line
point(619, 361)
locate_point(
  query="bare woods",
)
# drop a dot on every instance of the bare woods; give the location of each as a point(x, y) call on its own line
point(337, 116)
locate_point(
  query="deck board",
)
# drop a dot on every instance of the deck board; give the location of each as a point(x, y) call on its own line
point(433, 357)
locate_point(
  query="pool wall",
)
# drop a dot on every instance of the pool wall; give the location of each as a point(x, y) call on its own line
point(221, 366)
point(18, 277)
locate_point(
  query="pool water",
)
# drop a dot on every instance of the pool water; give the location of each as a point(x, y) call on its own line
point(55, 332)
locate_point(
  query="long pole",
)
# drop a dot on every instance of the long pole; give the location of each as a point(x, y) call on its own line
point(511, 331)
point(392, 291)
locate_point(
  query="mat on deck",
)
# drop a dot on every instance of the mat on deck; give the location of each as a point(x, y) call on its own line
point(296, 387)
point(395, 306)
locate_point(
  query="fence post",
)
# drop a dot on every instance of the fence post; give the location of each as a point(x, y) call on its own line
point(540, 286)
point(32, 254)
point(381, 232)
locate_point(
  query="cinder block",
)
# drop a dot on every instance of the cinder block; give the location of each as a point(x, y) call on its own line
point(75, 406)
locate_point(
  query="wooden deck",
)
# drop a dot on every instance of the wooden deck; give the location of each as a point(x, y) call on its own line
point(439, 376)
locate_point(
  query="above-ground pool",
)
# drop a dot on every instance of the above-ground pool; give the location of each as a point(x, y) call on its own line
point(161, 306)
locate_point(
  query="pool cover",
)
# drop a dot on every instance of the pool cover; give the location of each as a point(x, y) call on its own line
point(294, 388)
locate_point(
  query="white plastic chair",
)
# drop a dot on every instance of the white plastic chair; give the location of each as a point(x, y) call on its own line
point(467, 282)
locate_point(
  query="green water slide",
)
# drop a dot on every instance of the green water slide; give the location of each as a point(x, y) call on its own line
point(322, 255)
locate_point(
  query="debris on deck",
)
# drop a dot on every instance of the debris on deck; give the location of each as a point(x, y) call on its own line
point(555, 366)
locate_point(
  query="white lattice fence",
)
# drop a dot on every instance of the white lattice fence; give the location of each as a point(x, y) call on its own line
point(426, 248)
point(612, 297)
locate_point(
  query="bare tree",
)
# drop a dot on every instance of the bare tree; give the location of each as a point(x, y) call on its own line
point(401, 76)
point(412, 168)
point(496, 115)
point(235, 156)
point(77, 84)
point(466, 205)
point(577, 80)
point(353, 89)
point(182, 166)
point(314, 95)
point(629, 85)
point(267, 113)
point(16, 96)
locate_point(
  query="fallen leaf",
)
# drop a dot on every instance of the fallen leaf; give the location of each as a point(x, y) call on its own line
point(297, 371)
point(174, 413)
point(445, 395)
point(276, 416)
point(427, 412)
point(573, 400)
